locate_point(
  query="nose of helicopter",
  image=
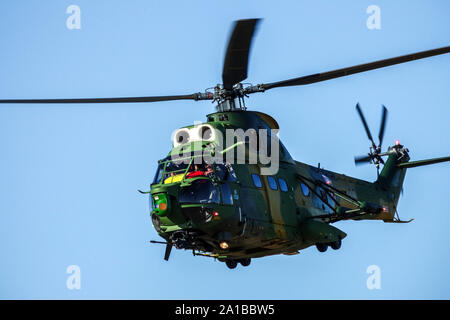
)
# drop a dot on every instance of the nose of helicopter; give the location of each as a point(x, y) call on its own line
point(164, 209)
point(159, 204)
point(160, 210)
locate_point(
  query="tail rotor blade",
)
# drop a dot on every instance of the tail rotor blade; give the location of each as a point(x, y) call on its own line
point(362, 159)
point(382, 126)
point(366, 127)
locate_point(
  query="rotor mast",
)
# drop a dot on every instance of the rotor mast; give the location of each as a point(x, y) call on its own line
point(234, 99)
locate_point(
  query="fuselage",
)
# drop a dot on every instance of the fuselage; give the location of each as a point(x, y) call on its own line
point(221, 205)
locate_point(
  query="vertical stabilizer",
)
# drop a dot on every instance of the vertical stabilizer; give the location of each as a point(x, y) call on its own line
point(392, 176)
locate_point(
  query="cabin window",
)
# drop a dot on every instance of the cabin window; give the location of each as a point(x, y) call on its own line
point(227, 197)
point(305, 189)
point(272, 183)
point(321, 200)
point(283, 185)
point(256, 180)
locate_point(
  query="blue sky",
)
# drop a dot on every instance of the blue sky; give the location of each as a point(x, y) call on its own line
point(69, 174)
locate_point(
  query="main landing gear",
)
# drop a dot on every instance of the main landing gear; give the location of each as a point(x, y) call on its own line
point(322, 247)
point(231, 264)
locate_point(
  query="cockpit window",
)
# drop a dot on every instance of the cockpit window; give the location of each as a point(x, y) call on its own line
point(225, 172)
point(174, 168)
point(158, 174)
point(200, 191)
point(172, 171)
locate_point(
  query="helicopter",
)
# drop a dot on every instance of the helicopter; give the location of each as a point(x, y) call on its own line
point(236, 200)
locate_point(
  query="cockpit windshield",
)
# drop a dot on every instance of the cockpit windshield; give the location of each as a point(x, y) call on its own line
point(200, 191)
point(171, 171)
point(172, 168)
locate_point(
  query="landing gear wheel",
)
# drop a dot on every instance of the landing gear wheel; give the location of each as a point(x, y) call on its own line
point(245, 262)
point(336, 245)
point(322, 247)
point(231, 264)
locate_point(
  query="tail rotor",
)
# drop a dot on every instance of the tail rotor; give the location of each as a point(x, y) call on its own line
point(375, 155)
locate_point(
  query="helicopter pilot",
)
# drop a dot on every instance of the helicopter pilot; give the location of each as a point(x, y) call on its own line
point(197, 171)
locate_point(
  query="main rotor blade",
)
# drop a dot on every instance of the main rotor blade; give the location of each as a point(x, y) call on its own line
point(236, 57)
point(366, 127)
point(382, 126)
point(355, 69)
point(195, 96)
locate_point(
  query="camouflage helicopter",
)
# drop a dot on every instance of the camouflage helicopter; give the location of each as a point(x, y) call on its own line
point(207, 198)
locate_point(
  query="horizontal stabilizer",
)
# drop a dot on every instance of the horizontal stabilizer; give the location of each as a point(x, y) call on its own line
point(398, 221)
point(419, 163)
